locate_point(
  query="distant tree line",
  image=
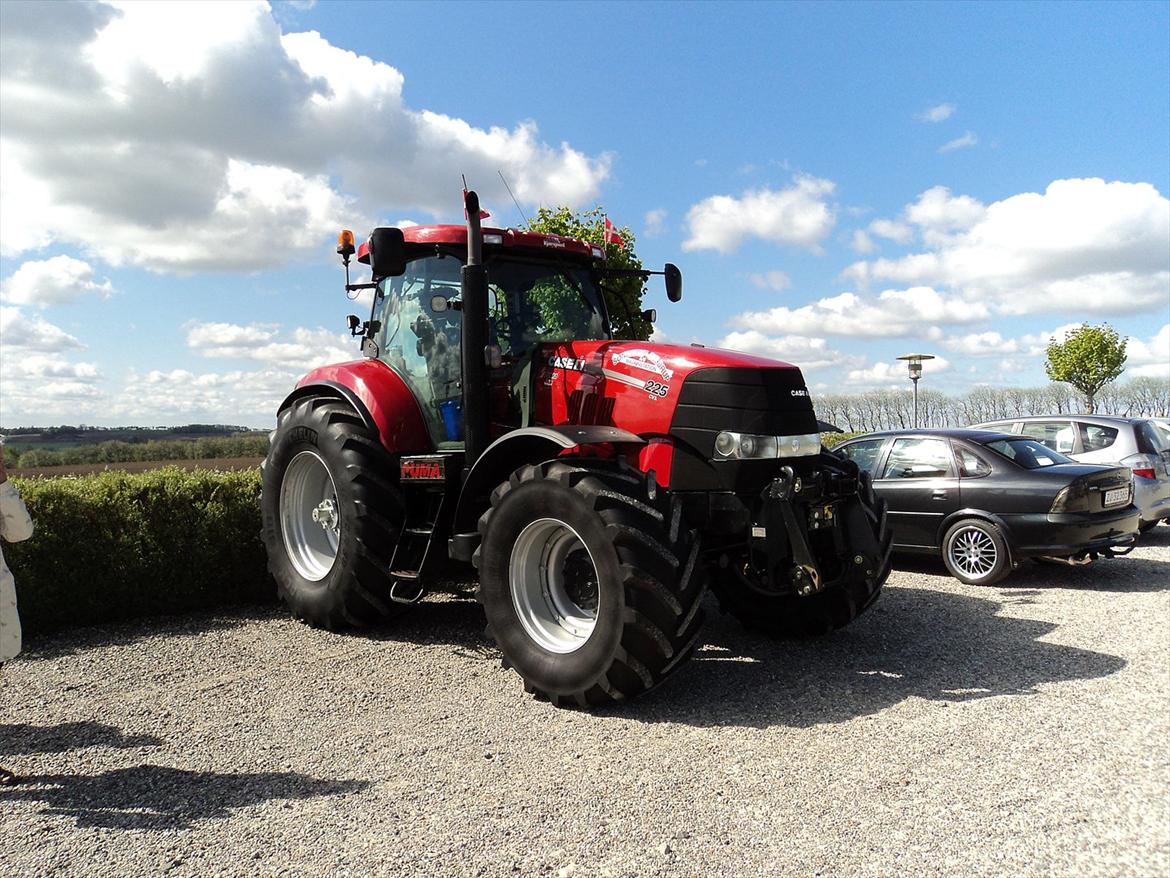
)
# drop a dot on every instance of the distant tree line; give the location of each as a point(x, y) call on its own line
point(211, 448)
point(894, 409)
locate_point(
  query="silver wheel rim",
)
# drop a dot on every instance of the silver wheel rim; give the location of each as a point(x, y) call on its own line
point(310, 519)
point(554, 585)
point(973, 552)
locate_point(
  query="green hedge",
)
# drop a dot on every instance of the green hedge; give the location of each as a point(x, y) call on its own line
point(209, 448)
point(119, 545)
point(828, 440)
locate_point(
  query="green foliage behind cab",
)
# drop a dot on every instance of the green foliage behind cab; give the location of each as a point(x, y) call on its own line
point(623, 295)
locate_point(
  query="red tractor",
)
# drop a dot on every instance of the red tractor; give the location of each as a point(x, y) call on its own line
point(596, 486)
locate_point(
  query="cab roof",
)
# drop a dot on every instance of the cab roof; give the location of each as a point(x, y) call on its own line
point(456, 235)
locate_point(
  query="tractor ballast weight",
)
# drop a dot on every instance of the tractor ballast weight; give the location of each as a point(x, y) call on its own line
point(596, 488)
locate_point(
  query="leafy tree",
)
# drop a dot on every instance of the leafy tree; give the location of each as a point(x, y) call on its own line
point(1088, 359)
point(623, 295)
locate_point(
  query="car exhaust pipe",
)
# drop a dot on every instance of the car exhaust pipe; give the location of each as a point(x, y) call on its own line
point(1073, 560)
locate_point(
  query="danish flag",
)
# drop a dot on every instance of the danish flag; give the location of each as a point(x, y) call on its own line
point(611, 234)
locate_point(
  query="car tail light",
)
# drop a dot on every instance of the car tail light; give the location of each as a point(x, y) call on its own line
point(1072, 498)
point(1143, 465)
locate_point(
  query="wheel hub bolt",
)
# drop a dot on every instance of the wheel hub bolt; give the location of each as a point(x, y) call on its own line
point(326, 515)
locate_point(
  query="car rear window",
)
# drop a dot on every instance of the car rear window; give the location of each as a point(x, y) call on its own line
point(1150, 440)
point(1095, 437)
point(1027, 453)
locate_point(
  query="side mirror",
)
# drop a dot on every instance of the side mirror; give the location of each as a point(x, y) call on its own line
point(673, 282)
point(387, 252)
point(650, 314)
point(438, 304)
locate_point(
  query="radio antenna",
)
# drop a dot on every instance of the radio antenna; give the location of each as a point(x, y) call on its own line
point(514, 201)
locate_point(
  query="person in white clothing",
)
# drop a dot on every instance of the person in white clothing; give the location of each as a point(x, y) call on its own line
point(15, 525)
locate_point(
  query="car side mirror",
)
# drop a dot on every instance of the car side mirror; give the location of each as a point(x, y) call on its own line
point(674, 284)
point(387, 252)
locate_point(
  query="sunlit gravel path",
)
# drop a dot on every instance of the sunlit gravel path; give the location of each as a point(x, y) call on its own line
point(1017, 730)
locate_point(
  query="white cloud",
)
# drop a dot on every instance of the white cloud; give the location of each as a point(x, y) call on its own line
point(938, 213)
point(154, 134)
point(937, 113)
point(19, 335)
point(655, 222)
point(916, 311)
point(301, 350)
point(181, 396)
point(1149, 358)
point(892, 230)
point(803, 351)
point(54, 281)
point(991, 343)
point(798, 215)
point(1083, 246)
point(770, 280)
point(968, 139)
point(891, 374)
point(861, 242)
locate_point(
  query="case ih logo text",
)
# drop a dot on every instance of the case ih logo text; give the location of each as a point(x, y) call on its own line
point(798, 392)
point(574, 364)
point(421, 469)
point(647, 361)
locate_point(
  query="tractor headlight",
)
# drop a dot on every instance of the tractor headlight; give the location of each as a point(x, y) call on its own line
point(750, 446)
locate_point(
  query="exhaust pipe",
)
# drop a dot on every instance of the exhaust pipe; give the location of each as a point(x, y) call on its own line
point(1073, 560)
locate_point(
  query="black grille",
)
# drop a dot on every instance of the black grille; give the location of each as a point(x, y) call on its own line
point(770, 402)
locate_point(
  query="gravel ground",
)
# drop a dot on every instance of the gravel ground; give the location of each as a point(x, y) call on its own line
point(1017, 730)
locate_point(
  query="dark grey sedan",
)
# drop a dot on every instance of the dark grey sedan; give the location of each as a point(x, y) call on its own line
point(986, 500)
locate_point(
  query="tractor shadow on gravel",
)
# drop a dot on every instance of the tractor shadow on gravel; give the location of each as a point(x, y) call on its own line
point(156, 797)
point(1126, 574)
point(914, 643)
point(58, 644)
point(20, 739)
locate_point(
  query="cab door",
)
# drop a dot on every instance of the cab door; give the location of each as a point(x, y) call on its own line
point(919, 483)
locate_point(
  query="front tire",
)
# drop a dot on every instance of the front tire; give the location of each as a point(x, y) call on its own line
point(331, 519)
point(975, 552)
point(590, 587)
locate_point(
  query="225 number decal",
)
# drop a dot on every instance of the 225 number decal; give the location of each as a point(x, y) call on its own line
point(657, 390)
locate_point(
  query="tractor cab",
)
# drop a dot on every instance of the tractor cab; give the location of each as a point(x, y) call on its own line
point(542, 290)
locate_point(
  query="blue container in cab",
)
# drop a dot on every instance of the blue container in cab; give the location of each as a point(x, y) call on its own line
point(452, 411)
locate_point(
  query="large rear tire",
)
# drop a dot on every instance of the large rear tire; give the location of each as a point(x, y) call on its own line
point(591, 587)
point(331, 517)
point(793, 616)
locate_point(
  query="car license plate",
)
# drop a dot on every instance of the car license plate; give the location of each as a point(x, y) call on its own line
point(1116, 497)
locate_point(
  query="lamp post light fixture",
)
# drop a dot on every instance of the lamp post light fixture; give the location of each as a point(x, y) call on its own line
point(914, 361)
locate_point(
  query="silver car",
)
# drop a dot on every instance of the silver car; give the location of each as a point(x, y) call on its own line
point(1134, 442)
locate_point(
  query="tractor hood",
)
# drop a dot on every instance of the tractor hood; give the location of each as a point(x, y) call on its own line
point(658, 389)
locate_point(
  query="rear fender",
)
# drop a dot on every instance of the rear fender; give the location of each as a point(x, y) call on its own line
point(379, 396)
point(513, 450)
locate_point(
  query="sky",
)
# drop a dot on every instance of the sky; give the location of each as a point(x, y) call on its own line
point(840, 183)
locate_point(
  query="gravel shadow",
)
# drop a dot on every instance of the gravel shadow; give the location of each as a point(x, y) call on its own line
point(23, 738)
point(160, 798)
point(1125, 574)
point(914, 643)
point(58, 644)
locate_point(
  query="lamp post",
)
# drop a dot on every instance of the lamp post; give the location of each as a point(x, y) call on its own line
point(914, 361)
